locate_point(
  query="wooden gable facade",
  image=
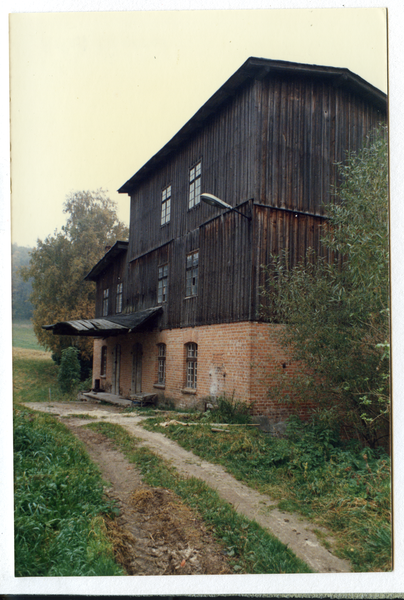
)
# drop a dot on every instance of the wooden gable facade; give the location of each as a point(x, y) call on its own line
point(267, 144)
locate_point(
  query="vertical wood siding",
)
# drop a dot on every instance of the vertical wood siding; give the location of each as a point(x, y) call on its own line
point(275, 143)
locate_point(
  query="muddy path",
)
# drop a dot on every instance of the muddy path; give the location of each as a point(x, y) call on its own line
point(289, 528)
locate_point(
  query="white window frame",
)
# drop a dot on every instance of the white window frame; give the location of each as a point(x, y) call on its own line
point(195, 174)
point(165, 205)
point(191, 365)
point(161, 373)
point(162, 288)
point(119, 297)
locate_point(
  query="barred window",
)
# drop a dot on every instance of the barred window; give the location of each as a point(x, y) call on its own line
point(195, 185)
point(192, 365)
point(191, 288)
point(161, 378)
point(162, 284)
point(105, 303)
point(119, 295)
point(166, 205)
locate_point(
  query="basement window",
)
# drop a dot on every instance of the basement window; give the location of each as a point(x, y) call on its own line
point(195, 185)
point(192, 365)
point(166, 205)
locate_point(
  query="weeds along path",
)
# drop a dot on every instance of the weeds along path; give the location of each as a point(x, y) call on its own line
point(288, 528)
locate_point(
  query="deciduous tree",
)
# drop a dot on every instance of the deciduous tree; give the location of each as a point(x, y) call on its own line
point(59, 264)
point(337, 311)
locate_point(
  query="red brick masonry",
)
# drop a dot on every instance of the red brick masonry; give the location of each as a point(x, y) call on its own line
point(240, 359)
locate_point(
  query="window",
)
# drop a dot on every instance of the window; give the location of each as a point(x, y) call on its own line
point(162, 284)
point(166, 205)
point(105, 303)
point(119, 294)
point(192, 365)
point(195, 185)
point(103, 371)
point(161, 377)
point(192, 274)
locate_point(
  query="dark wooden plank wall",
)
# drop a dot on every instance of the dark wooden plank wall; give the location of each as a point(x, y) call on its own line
point(115, 273)
point(276, 142)
point(226, 145)
point(306, 127)
point(276, 230)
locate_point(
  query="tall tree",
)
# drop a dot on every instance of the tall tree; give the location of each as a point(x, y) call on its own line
point(59, 264)
point(337, 313)
point(21, 290)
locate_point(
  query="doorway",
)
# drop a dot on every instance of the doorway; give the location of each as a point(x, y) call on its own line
point(116, 370)
point(137, 353)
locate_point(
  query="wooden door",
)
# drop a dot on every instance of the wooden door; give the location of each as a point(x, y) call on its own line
point(137, 353)
point(116, 370)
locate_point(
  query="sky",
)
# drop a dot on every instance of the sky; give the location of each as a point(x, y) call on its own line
point(95, 94)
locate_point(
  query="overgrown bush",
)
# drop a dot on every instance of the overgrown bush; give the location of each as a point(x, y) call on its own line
point(69, 370)
point(335, 305)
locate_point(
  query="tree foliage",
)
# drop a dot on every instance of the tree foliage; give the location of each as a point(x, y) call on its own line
point(69, 370)
point(336, 310)
point(59, 264)
point(21, 290)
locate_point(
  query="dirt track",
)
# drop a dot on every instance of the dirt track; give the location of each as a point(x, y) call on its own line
point(288, 528)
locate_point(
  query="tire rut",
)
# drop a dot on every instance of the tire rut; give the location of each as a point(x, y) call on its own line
point(290, 529)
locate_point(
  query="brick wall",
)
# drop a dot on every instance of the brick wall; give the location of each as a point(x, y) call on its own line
point(244, 359)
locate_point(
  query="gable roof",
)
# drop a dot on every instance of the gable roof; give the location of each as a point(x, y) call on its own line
point(257, 68)
point(106, 260)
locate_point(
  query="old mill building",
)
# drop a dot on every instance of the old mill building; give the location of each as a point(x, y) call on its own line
point(178, 305)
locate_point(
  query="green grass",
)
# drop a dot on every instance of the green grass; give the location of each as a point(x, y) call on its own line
point(35, 377)
point(344, 488)
point(58, 497)
point(251, 549)
point(24, 336)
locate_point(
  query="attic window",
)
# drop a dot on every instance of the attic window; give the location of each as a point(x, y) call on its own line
point(166, 205)
point(195, 185)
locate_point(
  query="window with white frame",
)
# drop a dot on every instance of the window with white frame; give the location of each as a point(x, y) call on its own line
point(192, 365)
point(195, 185)
point(119, 295)
point(166, 205)
point(105, 302)
point(192, 274)
point(161, 376)
point(162, 284)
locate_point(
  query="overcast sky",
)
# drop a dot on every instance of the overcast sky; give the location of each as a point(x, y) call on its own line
point(95, 94)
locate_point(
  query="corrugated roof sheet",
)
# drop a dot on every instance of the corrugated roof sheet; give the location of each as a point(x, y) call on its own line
point(105, 326)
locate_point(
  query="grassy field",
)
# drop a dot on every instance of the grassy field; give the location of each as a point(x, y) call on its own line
point(59, 503)
point(24, 336)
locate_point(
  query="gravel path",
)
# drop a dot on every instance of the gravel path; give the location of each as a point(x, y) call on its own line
point(288, 528)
